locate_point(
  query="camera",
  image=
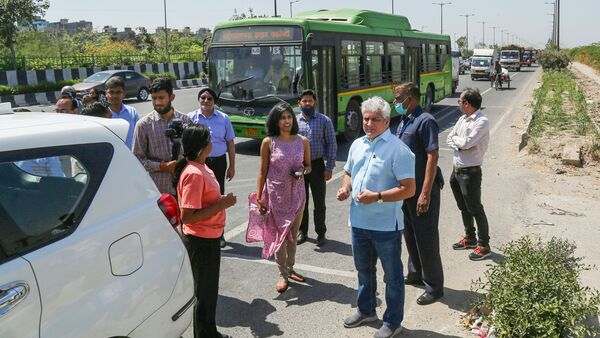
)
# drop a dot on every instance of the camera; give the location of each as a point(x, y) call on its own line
point(174, 129)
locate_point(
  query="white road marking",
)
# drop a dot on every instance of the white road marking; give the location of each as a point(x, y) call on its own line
point(508, 113)
point(301, 267)
point(229, 235)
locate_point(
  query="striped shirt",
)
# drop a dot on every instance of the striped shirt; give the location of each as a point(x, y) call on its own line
point(320, 134)
point(151, 147)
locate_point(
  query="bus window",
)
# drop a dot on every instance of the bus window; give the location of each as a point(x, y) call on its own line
point(432, 58)
point(397, 61)
point(374, 62)
point(351, 58)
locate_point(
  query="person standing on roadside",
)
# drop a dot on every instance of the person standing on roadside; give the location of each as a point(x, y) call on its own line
point(151, 145)
point(378, 175)
point(203, 216)
point(222, 138)
point(115, 94)
point(469, 139)
point(419, 131)
point(318, 129)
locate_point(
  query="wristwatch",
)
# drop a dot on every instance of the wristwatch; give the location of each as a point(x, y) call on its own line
point(379, 198)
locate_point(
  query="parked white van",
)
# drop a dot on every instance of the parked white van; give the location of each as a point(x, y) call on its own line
point(87, 244)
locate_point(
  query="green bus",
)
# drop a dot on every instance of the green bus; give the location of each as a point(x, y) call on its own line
point(345, 55)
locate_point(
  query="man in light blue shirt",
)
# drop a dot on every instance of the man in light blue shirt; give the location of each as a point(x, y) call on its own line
point(115, 94)
point(379, 174)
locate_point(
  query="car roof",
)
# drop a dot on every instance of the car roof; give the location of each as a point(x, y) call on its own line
point(59, 121)
point(113, 71)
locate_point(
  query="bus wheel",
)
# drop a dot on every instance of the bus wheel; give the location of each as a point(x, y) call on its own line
point(429, 99)
point(353, 122)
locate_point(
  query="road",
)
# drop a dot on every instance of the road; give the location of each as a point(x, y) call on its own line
point(249, 306)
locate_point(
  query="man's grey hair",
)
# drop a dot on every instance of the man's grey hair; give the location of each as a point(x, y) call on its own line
point(376, 104)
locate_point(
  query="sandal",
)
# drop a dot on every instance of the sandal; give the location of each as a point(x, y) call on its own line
point(296, 277)
point(282, 285)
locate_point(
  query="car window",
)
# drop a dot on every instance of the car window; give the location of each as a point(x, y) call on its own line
point(44, 193)
point(128, 76)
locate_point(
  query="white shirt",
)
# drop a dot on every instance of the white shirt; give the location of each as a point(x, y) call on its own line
point(469, 138)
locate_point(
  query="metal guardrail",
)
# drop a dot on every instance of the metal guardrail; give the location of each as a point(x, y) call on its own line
point(91, 60)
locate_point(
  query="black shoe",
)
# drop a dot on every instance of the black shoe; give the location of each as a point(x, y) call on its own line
point(302, 237)
point(321, 240)
point(222, 242)
point(413, 281)
point(427, 298)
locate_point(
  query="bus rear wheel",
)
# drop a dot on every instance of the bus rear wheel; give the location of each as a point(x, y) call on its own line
point(353, 121)
point(429, 98)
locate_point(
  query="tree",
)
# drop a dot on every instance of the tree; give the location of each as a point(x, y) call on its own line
point(461, 42)
point(13, 12)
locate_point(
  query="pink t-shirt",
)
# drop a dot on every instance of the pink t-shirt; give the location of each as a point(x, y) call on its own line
point(198, 189)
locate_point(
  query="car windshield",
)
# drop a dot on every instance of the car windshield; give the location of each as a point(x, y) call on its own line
point(246, 73)
point(510, 55)
point(98, 77)
point(480, 62)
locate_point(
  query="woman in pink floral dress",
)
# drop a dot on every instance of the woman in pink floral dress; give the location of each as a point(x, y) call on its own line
point(284, 159)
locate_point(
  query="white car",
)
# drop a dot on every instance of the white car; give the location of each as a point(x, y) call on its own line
point(87, 244)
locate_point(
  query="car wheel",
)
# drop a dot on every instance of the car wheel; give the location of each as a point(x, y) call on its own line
point(353, 121)
point(429, 98)
point(143, 94)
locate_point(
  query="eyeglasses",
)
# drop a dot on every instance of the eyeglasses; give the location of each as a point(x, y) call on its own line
point(207, 98)
point(462, 101)
point(398, 99)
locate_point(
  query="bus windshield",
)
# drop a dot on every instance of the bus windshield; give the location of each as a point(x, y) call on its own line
point(247, 73)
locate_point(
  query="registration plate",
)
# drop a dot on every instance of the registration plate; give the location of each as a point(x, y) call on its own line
point(251, 132)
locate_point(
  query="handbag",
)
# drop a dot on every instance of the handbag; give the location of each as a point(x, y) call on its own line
point(256, 220)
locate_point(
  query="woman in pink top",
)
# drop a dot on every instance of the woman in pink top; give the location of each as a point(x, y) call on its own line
point(203, 215)
point(284, 160)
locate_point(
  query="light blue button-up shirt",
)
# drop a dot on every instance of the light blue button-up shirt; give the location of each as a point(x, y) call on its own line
point(130, 115)
point(220, 127)
point(378, 166)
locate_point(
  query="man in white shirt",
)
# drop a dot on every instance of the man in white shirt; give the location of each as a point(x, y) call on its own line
point(470, 138)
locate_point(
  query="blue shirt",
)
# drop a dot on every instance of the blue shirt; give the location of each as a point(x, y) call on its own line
point(419, 131)
point(320, 134)
point(378, 166)
point(220, 127)
point(130, 115)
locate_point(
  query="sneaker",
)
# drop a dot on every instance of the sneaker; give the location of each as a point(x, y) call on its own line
point(358, 319)
point(480, 252)
point(386, 331)
point(465, 243)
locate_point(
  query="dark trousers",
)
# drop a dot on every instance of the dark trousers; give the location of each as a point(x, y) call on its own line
point(466, 187)
point(219, 166)
point(423, 242)
point(205, 257)
point(316, 181)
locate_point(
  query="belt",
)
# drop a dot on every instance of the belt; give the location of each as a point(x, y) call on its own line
point(214, 158)
point(468, 169)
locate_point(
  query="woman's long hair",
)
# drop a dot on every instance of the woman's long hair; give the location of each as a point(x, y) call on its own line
point(193, 139)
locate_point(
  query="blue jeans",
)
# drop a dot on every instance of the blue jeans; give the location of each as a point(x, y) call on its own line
point(367, 245)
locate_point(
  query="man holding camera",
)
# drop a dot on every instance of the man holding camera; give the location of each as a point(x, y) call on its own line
point(221, 137)
point(155, 140)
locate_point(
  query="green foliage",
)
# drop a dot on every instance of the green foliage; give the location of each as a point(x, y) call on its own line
point(554, 59)
point(536, 291)
point(40, 87)
point(550, 109)
point(589, 55)
point(168, 75)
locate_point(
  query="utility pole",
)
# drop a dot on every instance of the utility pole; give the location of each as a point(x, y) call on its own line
point(392, 6)
point(275, 5)
point(441, 4)
point(494, 40)
point(558, 24)
point(483, 36)
point(553, 20)
point(467, 20)
point(166, 30)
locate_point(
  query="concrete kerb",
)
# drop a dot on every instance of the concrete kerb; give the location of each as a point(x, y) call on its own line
point(525, 132)
point(45, 98)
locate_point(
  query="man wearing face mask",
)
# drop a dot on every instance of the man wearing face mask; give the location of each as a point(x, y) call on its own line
point(318, 128)
point(150, 144)
point(419, 131)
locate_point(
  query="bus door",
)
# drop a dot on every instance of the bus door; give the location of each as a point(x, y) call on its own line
point(414, 64)
point(323, 74)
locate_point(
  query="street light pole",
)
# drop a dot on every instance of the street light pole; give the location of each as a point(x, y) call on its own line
point(467, 20)
point(441, 4)
point(501, 37)
point(483, 36)
point(166, 30)
point(494, 40)
point(275, 5)
point(558, 24)
point(392, 6)
point(291, 3)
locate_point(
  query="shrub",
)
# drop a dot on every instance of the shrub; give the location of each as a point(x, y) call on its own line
point(168, 75)
point(43, 86)
point(554, 59)
point(536, 292)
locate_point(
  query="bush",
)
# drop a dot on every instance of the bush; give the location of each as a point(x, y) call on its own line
point(590, 55)
point(554, 59)
point(536, 292)
point(43, 86)
point(168, 75)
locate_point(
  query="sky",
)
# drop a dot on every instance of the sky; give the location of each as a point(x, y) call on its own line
point(531, 21)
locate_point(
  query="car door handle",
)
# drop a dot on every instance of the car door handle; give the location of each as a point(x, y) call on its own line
point(11, 295)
